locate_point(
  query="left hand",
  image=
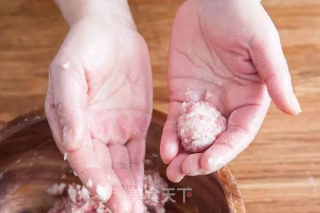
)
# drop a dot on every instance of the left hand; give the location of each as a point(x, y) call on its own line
point(228, 53)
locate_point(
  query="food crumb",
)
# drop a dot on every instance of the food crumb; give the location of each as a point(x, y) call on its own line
point(75, 198)
point(102, 193)
point(89, 183)
point(148, 162)
point(65, 65)
point(65, 156)
point(56, 189)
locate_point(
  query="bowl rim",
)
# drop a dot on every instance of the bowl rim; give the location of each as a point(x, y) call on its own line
point(224, 175)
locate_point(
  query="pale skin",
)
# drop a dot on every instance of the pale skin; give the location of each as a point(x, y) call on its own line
point(99, 95)
point(230, 50)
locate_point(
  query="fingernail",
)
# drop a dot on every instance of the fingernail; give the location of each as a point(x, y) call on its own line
point(209, 165)
point(67, 134)
point(295, 103)
point(213, 165)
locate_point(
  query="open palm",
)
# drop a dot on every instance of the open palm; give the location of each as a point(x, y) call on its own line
point(99, 108)
point(229, 54)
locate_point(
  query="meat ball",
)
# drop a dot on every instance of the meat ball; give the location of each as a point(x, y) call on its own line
point(199, 125)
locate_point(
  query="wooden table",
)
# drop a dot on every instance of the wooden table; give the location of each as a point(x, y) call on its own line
point(278, 173)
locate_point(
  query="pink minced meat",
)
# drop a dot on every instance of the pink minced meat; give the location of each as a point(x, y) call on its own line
point(199, 124)
point(154, 195)
point(76, 198)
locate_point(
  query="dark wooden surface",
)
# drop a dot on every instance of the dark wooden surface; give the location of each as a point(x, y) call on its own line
point(30, 163)
point(278, 173)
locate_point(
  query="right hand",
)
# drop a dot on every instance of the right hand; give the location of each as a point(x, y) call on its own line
point(98, 105)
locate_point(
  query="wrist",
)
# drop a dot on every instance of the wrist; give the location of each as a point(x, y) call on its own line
point(75, 10)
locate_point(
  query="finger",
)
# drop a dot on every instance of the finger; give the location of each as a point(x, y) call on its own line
point(170, 141)
point(243, 125)
point(70, 96)
point(121, 166)
point(269, 60)
point(119, 200)
point(86, 164)
point(103, 154)
point(93, 166)
point(136, 151)
point(174, 171)
point(191, 165)
point(52, 117)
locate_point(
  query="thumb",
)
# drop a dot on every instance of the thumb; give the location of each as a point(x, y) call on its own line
point(70, 95)
point(268, 58)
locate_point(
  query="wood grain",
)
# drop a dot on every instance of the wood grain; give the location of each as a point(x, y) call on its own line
point(30, 163)
point(278, 173)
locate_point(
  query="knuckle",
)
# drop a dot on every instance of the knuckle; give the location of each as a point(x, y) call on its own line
point(262, 40)
point(73, 146)
point(61, 113)
point(137, 163)
point(48, 107)
point(121, 165)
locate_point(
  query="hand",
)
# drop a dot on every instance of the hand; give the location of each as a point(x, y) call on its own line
point(229, 54)
point(98, 106)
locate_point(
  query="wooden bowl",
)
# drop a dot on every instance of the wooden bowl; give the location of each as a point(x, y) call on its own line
point(30, 163)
